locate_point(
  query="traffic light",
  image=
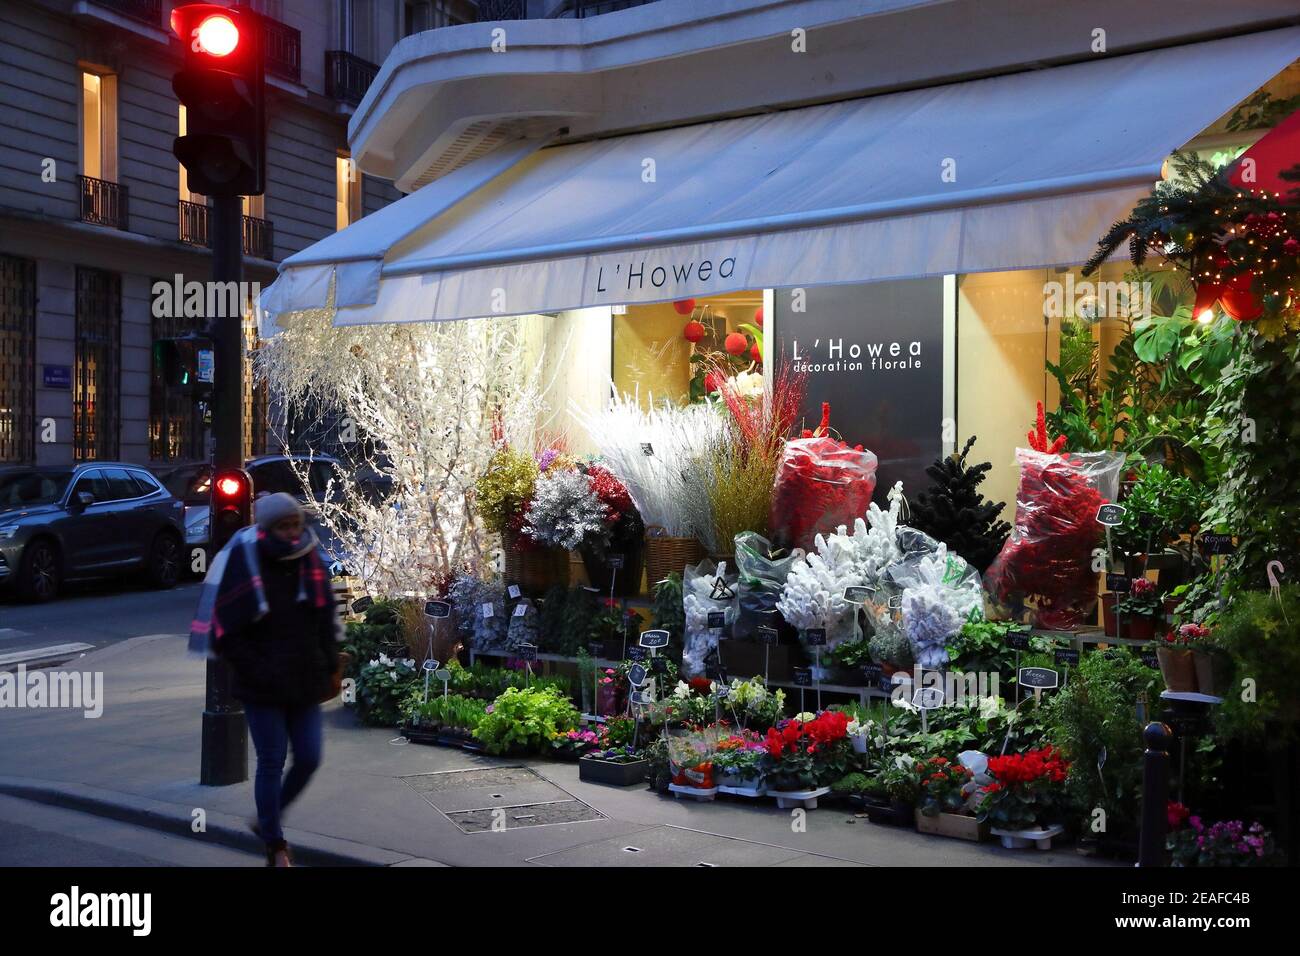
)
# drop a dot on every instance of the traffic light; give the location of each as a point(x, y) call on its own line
point(185, 364)
point(221, 87)
point(232, 504)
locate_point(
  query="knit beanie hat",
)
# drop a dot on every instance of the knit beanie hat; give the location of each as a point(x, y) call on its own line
point(275, 508)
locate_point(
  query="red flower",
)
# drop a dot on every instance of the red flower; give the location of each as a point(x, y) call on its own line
point(700, 686)
point(1176, 814)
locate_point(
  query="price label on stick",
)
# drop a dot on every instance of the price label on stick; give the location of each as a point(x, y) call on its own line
point(521, 610)
point(816, 636)
point(717, 620)
point(432, 665)
point(1067, 656)
point(1217, 544)
point(1111, 515)
point(857, 594)
point(616, 562)
point(803, 677)
point(513, 591)
point(1039, 678)
point(527, 652)
point(442, 675)
point(636, 675)
point(642, 698)
point(595, 648)
point(723, 692)
point(635, 653)
point(361, 603)
point(1018, 640)
point(766, 635)
point(872, 673)
point(654, 638)
point(1118, 583)
point(1150, 658)
point(437, 609)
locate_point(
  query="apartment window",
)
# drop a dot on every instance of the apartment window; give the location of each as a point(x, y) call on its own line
point(356, 27)
point(175, 424)
point(99, 125)
point(185, 194)
point(95, 377)
point(420, 15)
point(17, 358)
point(256, 402)
point(347, 192)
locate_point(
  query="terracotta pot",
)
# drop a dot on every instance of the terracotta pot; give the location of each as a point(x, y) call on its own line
point(1178, 668)
point(1207, 674)
point(1108, 611)
point(1136, 627)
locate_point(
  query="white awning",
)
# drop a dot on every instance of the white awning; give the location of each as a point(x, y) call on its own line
point(1011, 172)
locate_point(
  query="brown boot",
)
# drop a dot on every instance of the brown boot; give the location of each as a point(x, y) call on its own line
point(277, 854)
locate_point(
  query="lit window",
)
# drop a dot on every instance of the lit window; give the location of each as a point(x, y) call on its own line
point(347, 193)
point(99, 125)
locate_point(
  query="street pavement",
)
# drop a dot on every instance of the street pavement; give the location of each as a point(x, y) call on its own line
point(377, 800)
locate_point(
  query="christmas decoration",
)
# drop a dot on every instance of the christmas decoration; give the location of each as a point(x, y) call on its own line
point(684, 306)
point(953, 510)
point(736, 343)
point(758, 316)
point(565, 512)
point(693, 331)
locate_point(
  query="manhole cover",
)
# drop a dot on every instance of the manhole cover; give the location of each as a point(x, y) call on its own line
point(499, 798)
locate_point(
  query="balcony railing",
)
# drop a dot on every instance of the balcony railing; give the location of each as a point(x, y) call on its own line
point(283, 50)
point(146, 11)
point(581, 9)
point(258, 235)
point(102, 202)
point(347, 76)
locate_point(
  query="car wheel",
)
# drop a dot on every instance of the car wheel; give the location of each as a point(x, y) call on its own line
point(40, 571)
point(164, 561)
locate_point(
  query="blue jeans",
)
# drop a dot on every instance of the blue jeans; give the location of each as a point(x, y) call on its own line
point(274, 730)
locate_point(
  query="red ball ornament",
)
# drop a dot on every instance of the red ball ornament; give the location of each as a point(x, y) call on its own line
point(684, 306)
point(736, 343)
point(756, 354)
point(693, 332)
point(1238, 301)
point(758, 316)
point(714, 381)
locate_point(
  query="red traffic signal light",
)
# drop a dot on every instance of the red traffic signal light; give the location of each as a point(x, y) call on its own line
point(221, 86)
point(232, 504)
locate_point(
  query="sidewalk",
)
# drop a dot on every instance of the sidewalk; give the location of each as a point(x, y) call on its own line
point(139, 762)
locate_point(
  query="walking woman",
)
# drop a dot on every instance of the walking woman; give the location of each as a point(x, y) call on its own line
point(267, 609)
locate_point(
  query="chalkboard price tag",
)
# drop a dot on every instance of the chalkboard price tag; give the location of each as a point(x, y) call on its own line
point(1067, 656)
point(595, 648)
point(1110, 515)
point(642, 698)
point(527, 652)
point(1150, 658)
point(437, 609)
point(928, 698)
point(1217, 544)
point(442, 675)
point(615, 561)
point(1117, 582)
point(766, 635)
point(857, 594)
point(1018, 640)
point(654, 638)
point(1039, 678)
point(722, 692)
point(886, 683)
point(717, 620)
point(514, 592)
point(816, 636)
point(872, 673)
point(803, 677)
point(361, 603)
point(636, 675)
point(432, 665)
point(635, 653)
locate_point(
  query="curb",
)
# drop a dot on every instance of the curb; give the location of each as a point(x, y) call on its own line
point(310, 849)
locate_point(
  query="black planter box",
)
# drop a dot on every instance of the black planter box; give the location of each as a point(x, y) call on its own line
point(889, 812)
point(418, 734)
point(611, 773)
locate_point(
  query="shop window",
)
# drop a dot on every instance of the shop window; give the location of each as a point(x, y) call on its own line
point(17, 358)
point(347, 192)
point(175, 422)
point(95, 376)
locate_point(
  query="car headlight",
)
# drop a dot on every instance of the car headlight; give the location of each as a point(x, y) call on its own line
point(8, 531)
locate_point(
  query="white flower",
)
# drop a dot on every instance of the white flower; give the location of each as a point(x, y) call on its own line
point(748, 385)
point(682, 690)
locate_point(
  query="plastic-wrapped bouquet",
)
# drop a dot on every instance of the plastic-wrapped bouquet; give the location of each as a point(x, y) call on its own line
point(707, 591)
point(813, 595)
point(940, 592)
point(1048, 556)
point(690, 754)
point(762, 572)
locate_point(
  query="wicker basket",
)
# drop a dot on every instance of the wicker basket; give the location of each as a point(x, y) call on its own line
point(665, 554)
point(536, 569)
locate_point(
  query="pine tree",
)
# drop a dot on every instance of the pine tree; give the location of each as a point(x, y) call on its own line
point(953, 510)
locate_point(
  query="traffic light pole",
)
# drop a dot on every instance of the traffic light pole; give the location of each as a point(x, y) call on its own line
point(225, 734)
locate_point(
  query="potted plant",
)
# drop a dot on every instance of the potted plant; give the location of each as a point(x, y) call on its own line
point(1023, 802)
point(1139, 610)
point(805, 756)
point(1226, 843)
point(847, 659)
point(750, 704)
point(738, 763)
point(692, 752)
point(525, 720)
point(501, 496)
point(891, 796)
point(574, 744)
point(616, 766)
point(945, 793)
point(1177, 660)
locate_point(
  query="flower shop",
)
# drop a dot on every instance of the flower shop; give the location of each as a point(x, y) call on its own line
point(689, 545)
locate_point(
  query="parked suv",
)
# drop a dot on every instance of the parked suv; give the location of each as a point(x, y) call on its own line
point(92, 520)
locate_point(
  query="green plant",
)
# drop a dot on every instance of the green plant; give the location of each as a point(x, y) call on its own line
point(856, 782)
point(901, 781)
point(667, 612)
point(382, 685)
point(1261, 635)
point(1094, 721)
point(1159, 507)
point(526, 720)
point(891, 648)
point(504, 489)
point(1261, 111)
point(852, 653)
point(981, 647)
point(451, 711)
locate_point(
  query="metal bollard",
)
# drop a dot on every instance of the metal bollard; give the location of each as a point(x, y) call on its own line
point(1155, 794)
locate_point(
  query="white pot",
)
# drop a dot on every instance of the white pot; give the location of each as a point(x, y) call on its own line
point(859, 744)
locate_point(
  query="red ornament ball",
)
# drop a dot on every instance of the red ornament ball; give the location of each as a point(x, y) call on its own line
point(756, 354)
point(684, 306)
point(714, 381)
point(758, 316)
point(693, 332)
point(736, 343)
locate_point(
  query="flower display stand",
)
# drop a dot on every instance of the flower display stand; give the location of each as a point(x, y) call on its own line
point(695, 793)
point(955, 825)
point(737, 791)
point(1040, 837)
point(806, 799)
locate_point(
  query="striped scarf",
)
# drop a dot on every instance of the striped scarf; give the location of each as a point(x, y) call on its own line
point(233, 596)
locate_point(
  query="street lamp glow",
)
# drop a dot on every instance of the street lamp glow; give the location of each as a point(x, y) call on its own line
point(217, 35)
